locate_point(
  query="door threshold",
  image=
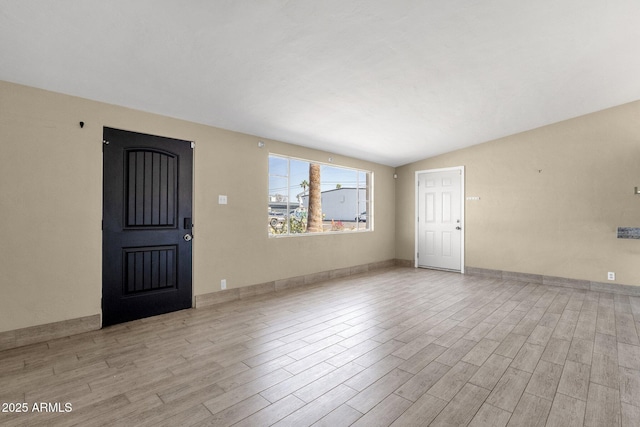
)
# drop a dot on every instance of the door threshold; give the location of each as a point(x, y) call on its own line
point(440, 269)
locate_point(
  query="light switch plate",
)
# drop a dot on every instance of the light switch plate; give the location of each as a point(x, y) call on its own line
point(222, 200)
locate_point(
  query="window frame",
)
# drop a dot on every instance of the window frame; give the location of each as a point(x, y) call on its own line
point(368, 202)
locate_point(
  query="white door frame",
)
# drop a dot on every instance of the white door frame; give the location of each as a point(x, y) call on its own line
point(417, 212)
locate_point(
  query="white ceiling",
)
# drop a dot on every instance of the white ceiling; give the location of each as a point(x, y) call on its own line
point(391, 81)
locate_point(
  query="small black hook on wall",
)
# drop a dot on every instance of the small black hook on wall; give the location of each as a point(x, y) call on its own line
point(81, 125)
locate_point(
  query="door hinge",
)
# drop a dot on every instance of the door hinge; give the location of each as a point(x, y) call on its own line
point(102, 225)
point(193, 144)
point(418, 255)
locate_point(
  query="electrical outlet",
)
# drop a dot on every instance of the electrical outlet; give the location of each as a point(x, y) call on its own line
point(223, 284)
point(611, 275)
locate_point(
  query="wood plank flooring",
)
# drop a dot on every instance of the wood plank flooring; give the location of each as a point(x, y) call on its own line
point(399, 347)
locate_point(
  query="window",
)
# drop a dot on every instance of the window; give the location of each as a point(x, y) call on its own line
point(344, 198)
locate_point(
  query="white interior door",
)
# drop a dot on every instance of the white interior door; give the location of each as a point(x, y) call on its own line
point(440, 219)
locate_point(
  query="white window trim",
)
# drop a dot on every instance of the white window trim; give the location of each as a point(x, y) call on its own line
point(370, 209)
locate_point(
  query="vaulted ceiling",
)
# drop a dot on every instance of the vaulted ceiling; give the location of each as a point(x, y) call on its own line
point(387, 81)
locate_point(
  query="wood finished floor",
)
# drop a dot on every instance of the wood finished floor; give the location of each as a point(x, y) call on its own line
point(399, 347)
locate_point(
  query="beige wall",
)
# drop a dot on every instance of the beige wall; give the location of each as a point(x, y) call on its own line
point(51, 207)
point(550, 202)
point(551, 199)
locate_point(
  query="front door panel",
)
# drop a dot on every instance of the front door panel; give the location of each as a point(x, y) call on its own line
point(146, 225)
point(439, 220)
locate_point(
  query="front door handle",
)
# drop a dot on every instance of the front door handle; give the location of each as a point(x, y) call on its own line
point(187, 237)
point(458, 228)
